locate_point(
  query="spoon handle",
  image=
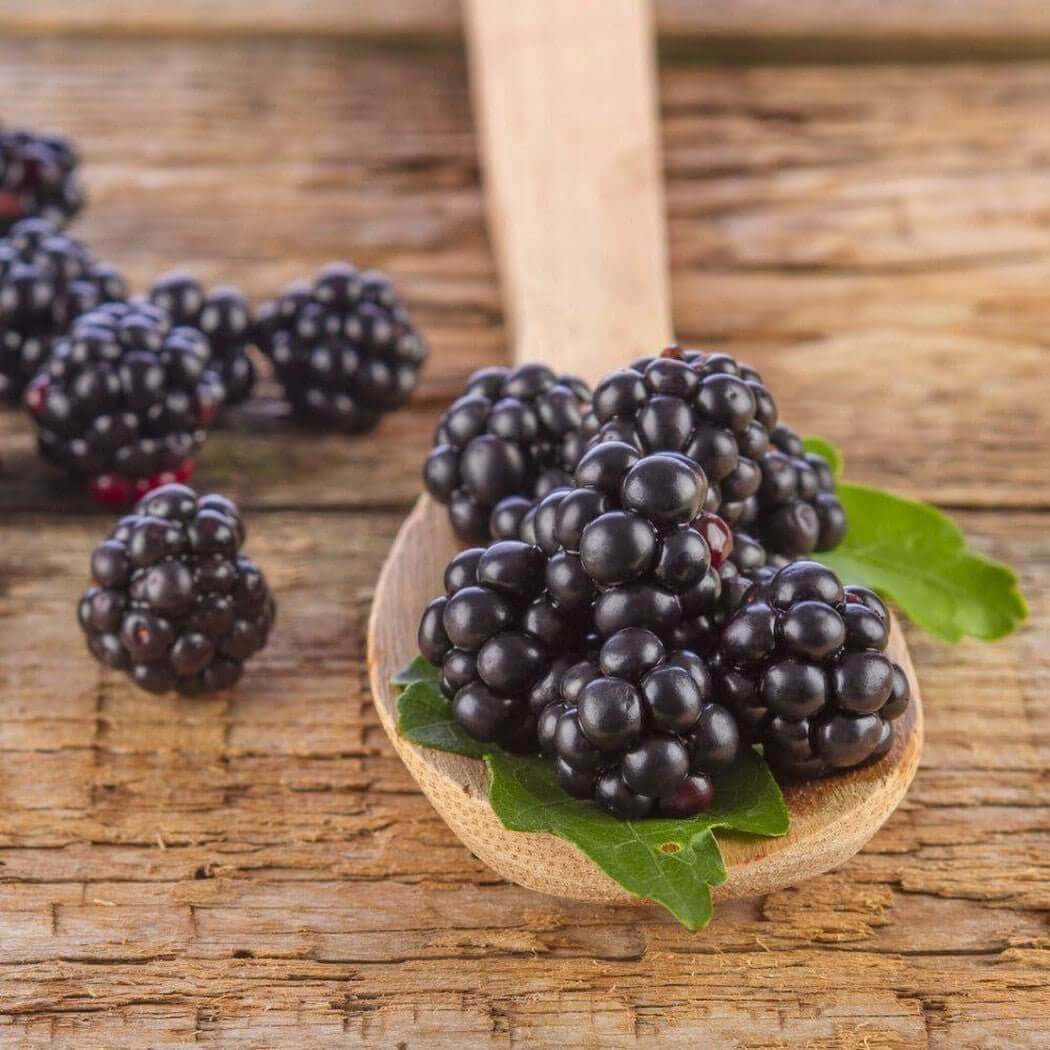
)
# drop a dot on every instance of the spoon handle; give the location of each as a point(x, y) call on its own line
point(565, 97)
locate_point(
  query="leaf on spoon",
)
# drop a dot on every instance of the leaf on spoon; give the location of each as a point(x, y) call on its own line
point(916, 555)
point(419, 670)
point(672, 862)
point(423, 716)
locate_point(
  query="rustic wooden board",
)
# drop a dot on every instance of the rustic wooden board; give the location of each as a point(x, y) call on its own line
point(877, 221)
point(975, 21)
point(261, 870)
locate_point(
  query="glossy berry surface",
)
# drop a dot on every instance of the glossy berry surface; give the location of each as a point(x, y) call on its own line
point(802, 666)
point(705, 406)
point(644, 552)
point(510, 439)
point(717, 412)
point(795, 511)
point(37, 178)
point(343, 346)
point(174, 602)
point(224, 316)
point(484, 635)
point(125, 399)
point(47, 279)
point(641, 724)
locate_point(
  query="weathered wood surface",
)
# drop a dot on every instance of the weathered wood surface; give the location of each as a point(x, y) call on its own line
point(972, 22)
point(876, 223)
point(261, 870)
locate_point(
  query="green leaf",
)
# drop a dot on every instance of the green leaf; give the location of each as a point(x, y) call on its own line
point(916, 555)
point(419, 670)
point(828, 451)
point(423, 716)
point(672, 862)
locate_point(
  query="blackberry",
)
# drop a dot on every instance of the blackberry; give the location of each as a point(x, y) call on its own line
point(631, 545)
point(37, 179)
point(125, 399)
point(343, 346)
point(493, 635)
point(174, 603)
point(717, 412)
point(46, 280)
point(802, 666)
point(510, 439)
point(636, 729)
point(795, 511)
point(224, 316)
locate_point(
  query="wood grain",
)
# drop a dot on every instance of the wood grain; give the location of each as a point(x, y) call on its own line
point(261, 867)
point(880, 220)
point(261, 870)
point(566, 101)
point(971, 22)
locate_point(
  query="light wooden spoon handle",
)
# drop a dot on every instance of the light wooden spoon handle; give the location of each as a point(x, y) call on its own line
point(565, 99)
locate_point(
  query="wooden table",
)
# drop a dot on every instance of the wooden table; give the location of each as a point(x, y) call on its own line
point(260, 870)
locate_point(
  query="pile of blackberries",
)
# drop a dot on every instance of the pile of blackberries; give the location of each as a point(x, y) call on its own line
point(123, 395)
point(562, 641)
point(174, 602)
point(46, 280)
point(640, 615)
point(37, 178)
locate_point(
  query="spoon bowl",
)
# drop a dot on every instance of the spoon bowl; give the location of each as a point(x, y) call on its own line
point(831, 819)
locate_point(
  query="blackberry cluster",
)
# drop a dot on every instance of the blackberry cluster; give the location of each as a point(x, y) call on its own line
point(37, 178)
point(125, 399)
point(492, 634)
point(46, 280)
point(559, 640)
point(512, 437)
point(224, 316)
point(630, 545)
point(636, 731)
point(802, 667)
point(174, 603)
point(343, 346)
point(717, 412)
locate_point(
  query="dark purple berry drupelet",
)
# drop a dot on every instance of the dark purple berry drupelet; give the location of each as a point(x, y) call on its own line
point(37, 178)
point(630, 545)
point(802, 667)
point(125, 399)
point(510, 439)
point(718, 412)
point(343, 346)
point(636, 729)
point(174, 602)
point(224, 316)
point(46, 280)
point(493, 634)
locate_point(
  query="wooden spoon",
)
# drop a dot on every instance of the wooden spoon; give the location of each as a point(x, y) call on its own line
point(567, 106)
